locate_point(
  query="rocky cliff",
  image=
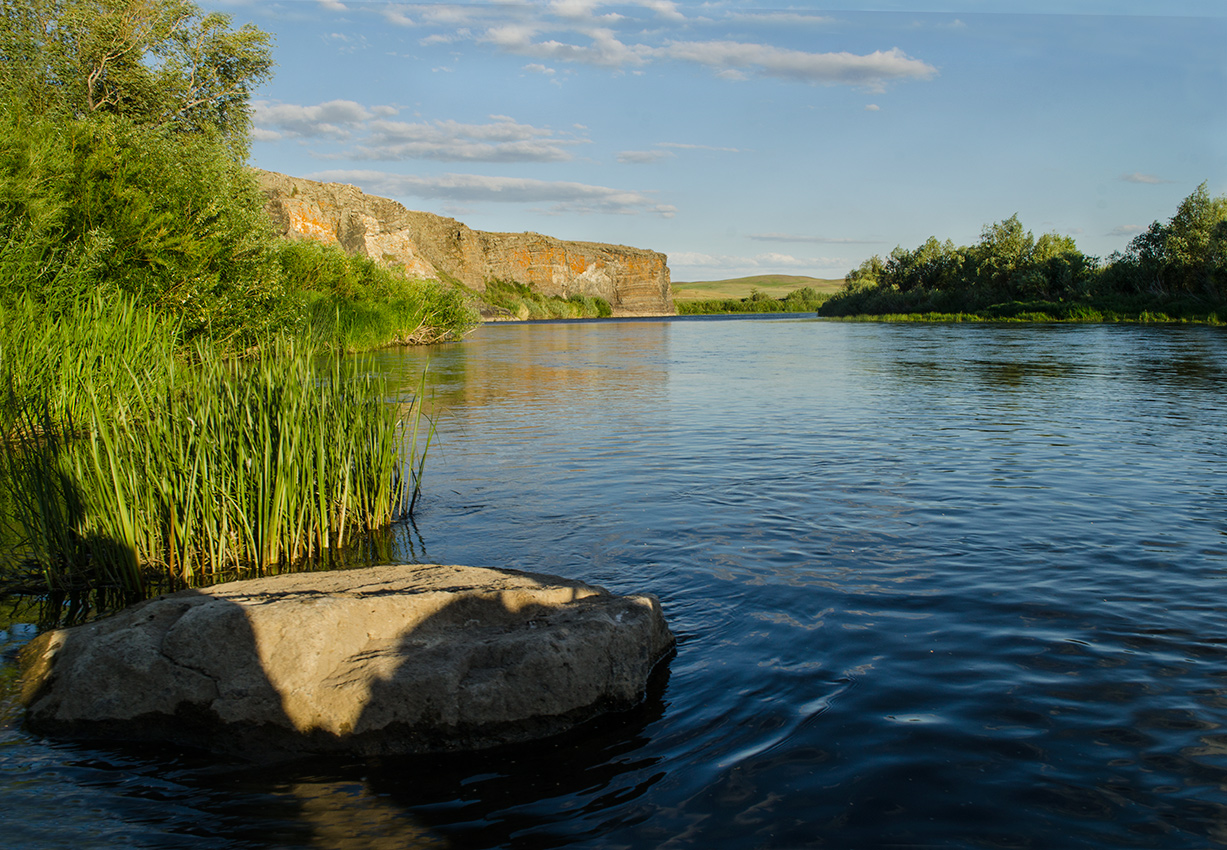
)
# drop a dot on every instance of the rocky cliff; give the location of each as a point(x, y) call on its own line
point(634, 281)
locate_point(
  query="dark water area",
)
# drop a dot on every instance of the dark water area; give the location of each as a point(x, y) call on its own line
point(933, 586)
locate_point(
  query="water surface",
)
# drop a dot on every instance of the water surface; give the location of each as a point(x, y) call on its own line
point(934, 585)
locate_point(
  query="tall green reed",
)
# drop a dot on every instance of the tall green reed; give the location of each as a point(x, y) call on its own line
point(192, 470)
point(52, 354)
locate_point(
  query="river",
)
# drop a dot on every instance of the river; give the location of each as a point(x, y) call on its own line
point(933, 586)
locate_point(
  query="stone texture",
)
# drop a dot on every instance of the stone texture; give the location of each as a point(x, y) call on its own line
point(634, 281)
point(391, 659)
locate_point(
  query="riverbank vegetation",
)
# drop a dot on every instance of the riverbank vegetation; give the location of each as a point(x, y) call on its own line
point(205, 470)
point(767, 293)
point(174, 405)
point(1173, 272)
point(804, 300)
point(521, 301)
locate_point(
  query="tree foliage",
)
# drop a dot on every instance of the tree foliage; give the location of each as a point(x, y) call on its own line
point(160, 63)
point(1186, 256)
point(103, 205)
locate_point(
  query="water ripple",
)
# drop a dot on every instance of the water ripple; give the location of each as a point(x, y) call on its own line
point(954, 586)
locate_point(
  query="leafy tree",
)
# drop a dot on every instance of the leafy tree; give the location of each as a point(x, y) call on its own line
point(1003, 253)
point(1061, 270)
point(103, 205)
point(1196, 244)
point(1186, 256)
point(867, 274)
point(934, 265)
point(160, 63)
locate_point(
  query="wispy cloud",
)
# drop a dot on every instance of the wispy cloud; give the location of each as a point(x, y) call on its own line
point(334, 119)
point(790, 18)
point(872, 107)
point(501, 140)
point(683, 146)
point(369, 133)
point(588, 32)
point(819, 240)
point(1129, 230)
point(644, 157)
point(1139, 177)
point(871, 70)
point(560, 196)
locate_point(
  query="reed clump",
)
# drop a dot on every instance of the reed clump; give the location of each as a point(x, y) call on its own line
point(182, 471)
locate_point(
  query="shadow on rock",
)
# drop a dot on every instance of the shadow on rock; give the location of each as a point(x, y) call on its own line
point(386, 660)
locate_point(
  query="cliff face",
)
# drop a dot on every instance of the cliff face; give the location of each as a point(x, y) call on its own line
point(634, 281)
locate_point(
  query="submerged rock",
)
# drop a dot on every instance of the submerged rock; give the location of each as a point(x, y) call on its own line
point(396, 659)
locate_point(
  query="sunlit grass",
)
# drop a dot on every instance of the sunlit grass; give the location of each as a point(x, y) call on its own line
point(523, 302)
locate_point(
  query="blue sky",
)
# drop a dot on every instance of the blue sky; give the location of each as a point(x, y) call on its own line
point(750, 138)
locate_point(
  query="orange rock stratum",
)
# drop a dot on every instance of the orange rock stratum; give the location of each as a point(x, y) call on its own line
point(634, 281)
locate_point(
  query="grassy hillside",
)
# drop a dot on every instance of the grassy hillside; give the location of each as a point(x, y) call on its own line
point(773, 285)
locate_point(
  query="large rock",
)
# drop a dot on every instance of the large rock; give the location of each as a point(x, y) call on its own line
point(380, 660)
point(634, 281)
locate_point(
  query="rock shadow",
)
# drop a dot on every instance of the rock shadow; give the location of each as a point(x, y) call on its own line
point(380, 661)
point(167, 670)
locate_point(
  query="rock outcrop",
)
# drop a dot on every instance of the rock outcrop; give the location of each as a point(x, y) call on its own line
point(373, 661)
point(634, 281)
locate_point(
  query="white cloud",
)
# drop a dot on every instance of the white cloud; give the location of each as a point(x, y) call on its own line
point(448, 14)
point(1139, 177)
point(603, 50)
point(688, 147)
point(397, 15)
point(873, 107)
point(664, 9)
point(334, 119)
point(576, 31)
point(786, 18)
point(872, 70)
point(581, 11)
point(501, 140)
point(1127, 230)
point(333, 5)
point(538, 68)
point(644, 157)
point(562, 197)
point(372, 135)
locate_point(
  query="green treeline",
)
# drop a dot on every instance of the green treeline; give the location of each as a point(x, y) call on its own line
point(174, 406)
point(804, 300)
point(1175, 271)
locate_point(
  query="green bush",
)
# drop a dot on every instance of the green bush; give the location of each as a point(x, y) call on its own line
point(524, 302)
point(104, 206)
point(804, 300)
point(354, 303)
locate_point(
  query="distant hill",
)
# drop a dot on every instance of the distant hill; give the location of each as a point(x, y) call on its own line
point(775, 285)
